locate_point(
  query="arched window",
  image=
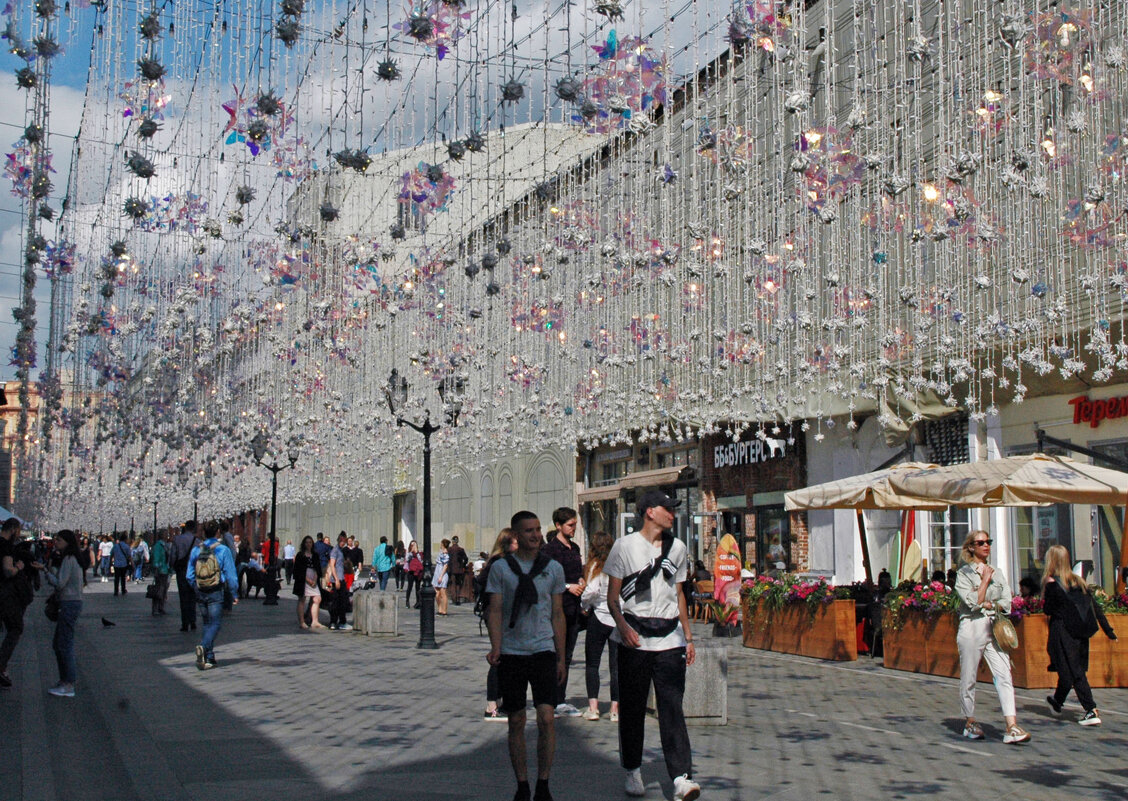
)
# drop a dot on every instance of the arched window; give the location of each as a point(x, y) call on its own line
point(505, 508)
point(546, 490)
point(486, 518)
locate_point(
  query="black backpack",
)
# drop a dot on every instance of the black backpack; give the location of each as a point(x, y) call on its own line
point(1078, 615)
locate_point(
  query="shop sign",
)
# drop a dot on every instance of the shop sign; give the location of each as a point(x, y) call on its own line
point(613, 456)
point(1093, 411)
point(754, 451)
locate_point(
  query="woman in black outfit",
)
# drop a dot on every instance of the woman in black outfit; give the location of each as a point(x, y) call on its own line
point(414, 570)
point(1065, 594)
point(399, 573)
point(307, 584)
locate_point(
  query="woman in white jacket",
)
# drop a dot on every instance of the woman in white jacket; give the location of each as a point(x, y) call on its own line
point(593, 601)
point(983, 593)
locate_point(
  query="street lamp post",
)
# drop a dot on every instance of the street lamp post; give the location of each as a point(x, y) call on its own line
point(273, 582)
point(396, 396)
point(154, 522)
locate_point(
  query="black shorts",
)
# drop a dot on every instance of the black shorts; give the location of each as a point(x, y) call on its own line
point(516, 673)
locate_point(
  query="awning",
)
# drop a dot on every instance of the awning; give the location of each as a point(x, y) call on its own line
point(591, 494)
point(653, 478)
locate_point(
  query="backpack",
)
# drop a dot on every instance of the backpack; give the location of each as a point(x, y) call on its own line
point(481, 597)
point(207, 569)
point(1078, 616)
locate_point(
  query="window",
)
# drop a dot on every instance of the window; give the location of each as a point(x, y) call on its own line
point(544, 490)
point(1036, 528)
point(486, 506)
point(946, 534)
point(1110, 524)
point(773, 540)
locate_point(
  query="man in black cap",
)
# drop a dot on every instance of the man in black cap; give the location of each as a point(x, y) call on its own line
point(645, 571)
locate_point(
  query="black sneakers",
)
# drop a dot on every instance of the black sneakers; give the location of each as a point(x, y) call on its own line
point(1053, 702)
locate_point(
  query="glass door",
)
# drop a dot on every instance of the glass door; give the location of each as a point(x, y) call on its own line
point(946, 534)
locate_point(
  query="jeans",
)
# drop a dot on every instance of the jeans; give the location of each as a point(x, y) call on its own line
point(138, 569)
point(599, 635)
point(383, 578)
point(412, 581)
point(120, 575)
point(210, 605)
point(63, 643)
point(104, 568)
point(667, 670)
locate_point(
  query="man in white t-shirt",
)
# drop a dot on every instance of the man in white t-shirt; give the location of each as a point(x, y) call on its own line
point(525, 618)
point(645, 571)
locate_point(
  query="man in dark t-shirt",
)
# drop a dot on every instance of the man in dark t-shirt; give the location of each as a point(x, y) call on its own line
point(563, 549)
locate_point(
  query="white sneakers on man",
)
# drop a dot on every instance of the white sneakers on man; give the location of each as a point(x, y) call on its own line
point(566, 711)
point(635, 788)
point(686, 789)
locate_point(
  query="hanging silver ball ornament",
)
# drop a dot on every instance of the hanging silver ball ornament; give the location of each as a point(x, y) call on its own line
point(148, 128)
point(258, 130)
point(1013, 29)
point(435, 173)
point(420, 26)
point(918, 48)
point(26, 78)
point(46, 47)
point(151, 69)
point(492, 289)
point(397, 231)
point(387, 70)
point(611, 9)
point(489, 261)
point(135, 208)
point(475, 143)
point(268, 104)
point(46, 8)
point(588, 109)
point(503, 247)
point(456, 150)
point(244, 195)
point(512, 91)
point(798, 100)
point(292, 8)
point(471, 269)
point(288, 29)
point(150, 27)
point(140, 166)
point(568, 89)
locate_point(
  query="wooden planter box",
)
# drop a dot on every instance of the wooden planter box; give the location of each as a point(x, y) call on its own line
point(830, 634)
point(928, 645)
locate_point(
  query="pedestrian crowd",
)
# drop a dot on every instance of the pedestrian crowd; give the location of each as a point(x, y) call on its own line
point(534, 594)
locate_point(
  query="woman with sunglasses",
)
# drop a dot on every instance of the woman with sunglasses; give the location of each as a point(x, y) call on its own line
point(983, 593)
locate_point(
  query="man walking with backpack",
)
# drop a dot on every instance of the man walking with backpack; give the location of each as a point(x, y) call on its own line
point(525, 617)
point(645, 571)
point(210, 567)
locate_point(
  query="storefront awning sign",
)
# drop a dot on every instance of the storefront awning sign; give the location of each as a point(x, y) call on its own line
point(592, 494)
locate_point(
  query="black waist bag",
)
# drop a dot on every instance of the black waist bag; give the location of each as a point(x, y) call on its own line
point(652, 626)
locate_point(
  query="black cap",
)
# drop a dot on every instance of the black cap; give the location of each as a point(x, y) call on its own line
point(653, 498)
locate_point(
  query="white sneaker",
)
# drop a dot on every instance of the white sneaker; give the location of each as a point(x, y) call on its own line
point(1092, 718)
point(344, 627)
point(635, 788)
point(686, 789)
point(567, 711)
point(591, 714)
point(62, 690)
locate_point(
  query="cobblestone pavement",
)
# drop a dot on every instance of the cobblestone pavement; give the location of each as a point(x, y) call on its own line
point(307, 716)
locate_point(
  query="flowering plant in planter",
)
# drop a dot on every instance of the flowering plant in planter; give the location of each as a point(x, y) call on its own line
point(1021, 607)
point(788, 589)
point(932, 598)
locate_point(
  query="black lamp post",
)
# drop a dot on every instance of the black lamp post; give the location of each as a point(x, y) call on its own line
point(396, 396)
point(273, 582)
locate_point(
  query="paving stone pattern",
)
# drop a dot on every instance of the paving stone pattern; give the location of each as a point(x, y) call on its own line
point(306, 716)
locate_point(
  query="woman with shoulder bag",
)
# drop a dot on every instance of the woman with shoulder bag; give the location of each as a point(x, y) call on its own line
point(307, 584)
point(1070, 606)
point(983, 593)
point(414, 569)
point(65, 575)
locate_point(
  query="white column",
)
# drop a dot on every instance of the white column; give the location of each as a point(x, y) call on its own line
point(1000, 515)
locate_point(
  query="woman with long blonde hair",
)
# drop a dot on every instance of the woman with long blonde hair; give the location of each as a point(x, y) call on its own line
point(983, 593)
point(506, 543)
point(593, 601)
point(1073, 619)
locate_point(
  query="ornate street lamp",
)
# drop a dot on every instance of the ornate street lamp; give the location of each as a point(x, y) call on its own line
point(451, 390)
point(259, 449)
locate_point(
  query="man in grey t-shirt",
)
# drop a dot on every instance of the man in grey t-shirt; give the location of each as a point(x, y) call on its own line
point(526, 623)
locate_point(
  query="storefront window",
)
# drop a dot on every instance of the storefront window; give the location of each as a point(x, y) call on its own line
point(1110, 524)
point(1036, 528)
point(773, 540)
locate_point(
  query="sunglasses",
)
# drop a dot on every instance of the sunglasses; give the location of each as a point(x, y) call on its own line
point(978, 543)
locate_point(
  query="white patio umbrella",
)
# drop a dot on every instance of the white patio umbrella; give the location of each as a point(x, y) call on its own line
point(1030, 480)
